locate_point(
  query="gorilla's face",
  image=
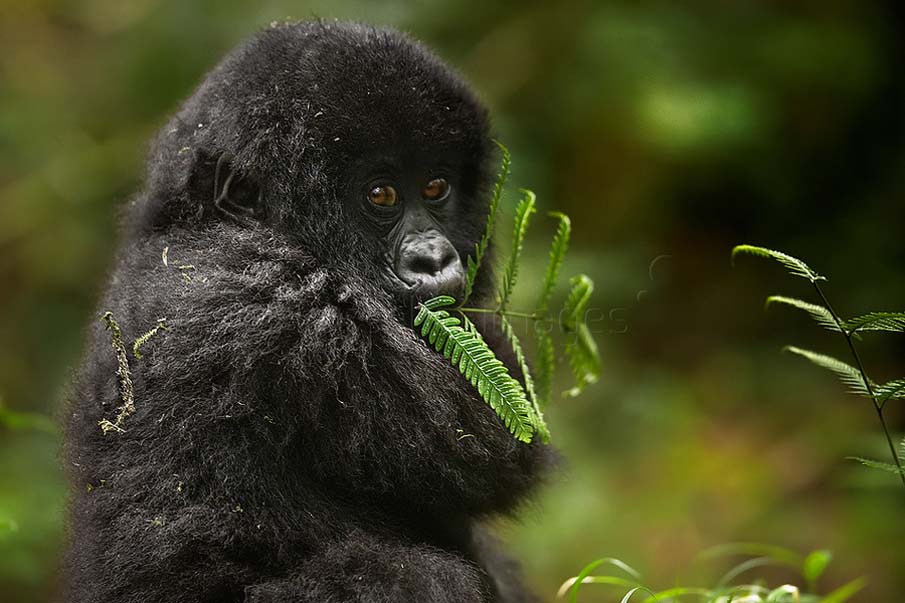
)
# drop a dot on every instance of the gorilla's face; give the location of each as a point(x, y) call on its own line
point(410, 209)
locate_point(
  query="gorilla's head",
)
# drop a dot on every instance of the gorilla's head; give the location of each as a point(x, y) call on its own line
point(355, 142)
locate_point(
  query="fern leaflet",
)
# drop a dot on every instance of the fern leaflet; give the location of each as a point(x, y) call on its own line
point(516, 345)
point(476, 361)
point(546, 359)
point(793, 265)
point(877, 321)
point(848, 374)
point(543, 369)
point(888, 467)
point(891, 390)
point(473, 263)
point(577, 302)
point(584, 360)
point(580, 348)
point(522, 218)
point(821, 315)
point(557, 252)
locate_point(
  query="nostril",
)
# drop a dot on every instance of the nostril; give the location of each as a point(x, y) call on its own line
point(424, 264)
point(448, 257)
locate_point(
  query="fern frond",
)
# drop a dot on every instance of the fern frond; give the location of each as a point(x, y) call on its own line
point(580, 348)
point(821, 315)
point(557, 252)
point(473, 263)
point(877, 321)
point(584, 360)
point(522, 218)
point(888, 467)
point(544, 366)
point(577, 302)
point(891, 390)
point(476, 361)
point(848, 374)
point(793, 265)
point(516, 345)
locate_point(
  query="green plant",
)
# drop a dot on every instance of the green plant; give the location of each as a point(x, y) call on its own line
point(123, 373)
point(443, 321)
point(25, 420)
point(123, 370)
point(854, 377)
point(728, 588)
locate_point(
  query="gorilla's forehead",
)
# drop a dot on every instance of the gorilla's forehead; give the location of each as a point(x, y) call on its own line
point(356, 87)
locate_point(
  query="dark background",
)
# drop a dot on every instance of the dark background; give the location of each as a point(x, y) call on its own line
point(666, 130)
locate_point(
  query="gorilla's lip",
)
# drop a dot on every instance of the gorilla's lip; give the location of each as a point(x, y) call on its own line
point(428, 288)
point(413, 294)
point(425, 288)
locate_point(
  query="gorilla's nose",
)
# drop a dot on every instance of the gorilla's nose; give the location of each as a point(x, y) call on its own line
point(429, 261)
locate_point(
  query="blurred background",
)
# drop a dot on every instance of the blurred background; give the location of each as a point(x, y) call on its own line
point(668, 131)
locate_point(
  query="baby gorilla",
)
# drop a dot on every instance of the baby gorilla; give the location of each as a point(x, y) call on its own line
point(292, 439)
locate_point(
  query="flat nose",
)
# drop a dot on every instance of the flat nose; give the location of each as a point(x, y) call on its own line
point(429, 259)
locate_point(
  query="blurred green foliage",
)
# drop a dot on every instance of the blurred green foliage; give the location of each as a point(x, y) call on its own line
point(668, 131)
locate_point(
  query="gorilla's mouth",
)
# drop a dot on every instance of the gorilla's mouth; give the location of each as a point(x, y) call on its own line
point(452, 285)
point(411, 292)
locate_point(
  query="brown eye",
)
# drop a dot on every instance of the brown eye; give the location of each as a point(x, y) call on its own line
point(436, 189)
point(384, 195)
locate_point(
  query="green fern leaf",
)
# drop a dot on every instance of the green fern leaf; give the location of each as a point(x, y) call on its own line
point(470, 354)
point(877, 321)
point(584, 360)
point(473, 263)
point(557, 253)
point(891, 390)
point(848, 374)
point(441, 301)
point(580, 348)
point(546, 359)
point(512, 338)
point(888, 467)
point(821, 315)
point(544, 366)
point(577, 302)
point(793, 265)
point(522, 218)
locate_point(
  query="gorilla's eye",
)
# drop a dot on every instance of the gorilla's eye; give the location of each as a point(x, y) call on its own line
point(384, 195)
point(436, 190)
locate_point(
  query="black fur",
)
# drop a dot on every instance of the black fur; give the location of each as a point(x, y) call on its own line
point(293, 439)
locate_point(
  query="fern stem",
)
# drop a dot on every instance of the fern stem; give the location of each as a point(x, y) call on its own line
point(867, 384)
point(508, 313)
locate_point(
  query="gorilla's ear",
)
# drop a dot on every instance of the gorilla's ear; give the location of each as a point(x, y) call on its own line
point(223, 190)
